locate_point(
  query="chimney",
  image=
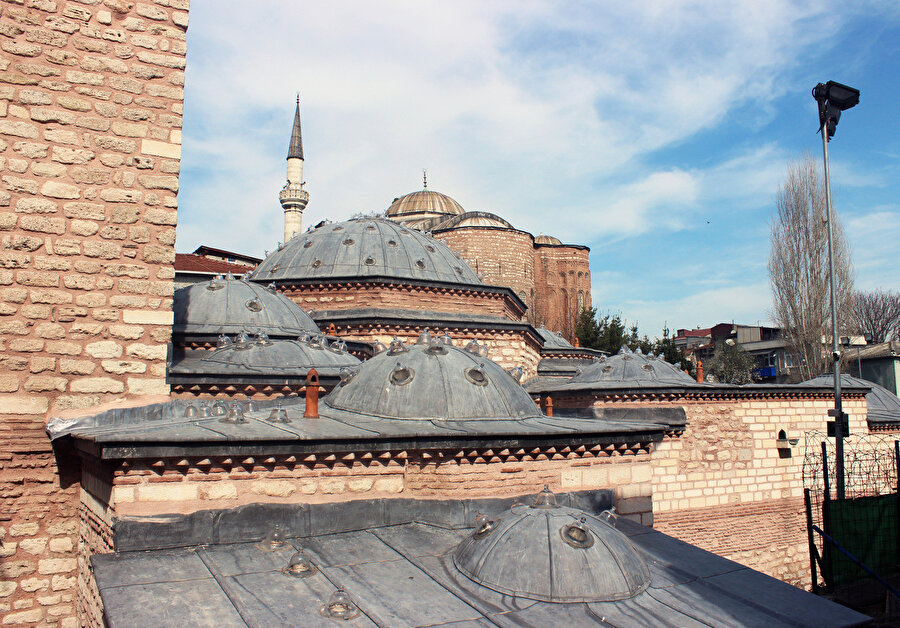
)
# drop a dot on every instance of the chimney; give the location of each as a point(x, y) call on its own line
point(699, 371)
point(312, 395)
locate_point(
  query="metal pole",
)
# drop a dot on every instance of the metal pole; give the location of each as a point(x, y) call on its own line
point(835, 353)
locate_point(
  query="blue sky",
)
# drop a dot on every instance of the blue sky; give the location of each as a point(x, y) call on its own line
point(656, 132)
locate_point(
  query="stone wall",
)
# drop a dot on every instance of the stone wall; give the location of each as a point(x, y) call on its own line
point(156, 487)
point(724, 485)
point(91, 99)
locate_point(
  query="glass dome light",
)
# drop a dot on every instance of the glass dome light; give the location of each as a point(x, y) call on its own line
point(436, 347)
point(338, 346)
point(304, 337)
point(262, 339)
point(229, 276)
point(278, 415)
point(473, 347)
point(339, 606)
point(516, 373)
point(447, 340)
point(191, 412)
point(223, 341)
point(234, 414)
point(424, 338)
point(242, 341)
point(347, 374)
point(397, 346)
point(204, 412)
point(300, 566)
point(219, 409)
point(215, 283)
point(379, 347)
point(483, 351)
point(484, 525)
point(544, 499)
point(251, 406)
point(274, 540)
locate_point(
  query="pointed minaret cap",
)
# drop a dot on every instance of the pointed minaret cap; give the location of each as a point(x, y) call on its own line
point(296, 149)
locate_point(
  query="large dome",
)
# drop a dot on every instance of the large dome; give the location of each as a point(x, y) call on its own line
point(226, 305)
point(364, 247)
point(430, 380)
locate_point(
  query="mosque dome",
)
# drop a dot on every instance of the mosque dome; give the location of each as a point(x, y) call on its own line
point(430, 380)
point(553, 553)
point(545, 239)
point(632, 369)
point(474, 219)
point(423, 203)
point(226, 305)
point(364, 247)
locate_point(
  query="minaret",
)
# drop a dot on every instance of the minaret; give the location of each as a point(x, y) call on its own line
point(292, 196)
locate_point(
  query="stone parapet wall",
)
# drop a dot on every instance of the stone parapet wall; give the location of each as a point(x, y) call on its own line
point(91, 97)
point(148, 488)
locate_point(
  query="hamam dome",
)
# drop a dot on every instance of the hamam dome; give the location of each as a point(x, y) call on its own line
point(429, 380)
point(632, 369)
point(226, 305)
point(364, 247)
point(553, 553)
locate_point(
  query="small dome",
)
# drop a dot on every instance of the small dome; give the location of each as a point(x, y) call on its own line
point(261, 357)
point(365, 247)
point(229, 306)
point(545, 239)
point(433, 380)
point(632, 369)
point(423, 203)
point(552, 553)
point(474, 219)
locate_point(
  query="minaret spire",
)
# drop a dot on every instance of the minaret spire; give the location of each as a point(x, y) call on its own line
point(296, 148)
point(292, 196)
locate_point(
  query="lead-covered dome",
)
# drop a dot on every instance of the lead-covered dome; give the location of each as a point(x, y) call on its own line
point(552, 553)
point(632, 369)
point(422, 208)
point(364, 247)
point(546, 239)
point(225, 305)
point(430, 380)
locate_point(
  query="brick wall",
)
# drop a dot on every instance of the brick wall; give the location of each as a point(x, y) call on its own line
point(549, 279)
point(387, 296)
point(562, 286)
point(90, 129)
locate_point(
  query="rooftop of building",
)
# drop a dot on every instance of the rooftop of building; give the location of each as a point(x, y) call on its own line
point(401, 562)
point(192, 263)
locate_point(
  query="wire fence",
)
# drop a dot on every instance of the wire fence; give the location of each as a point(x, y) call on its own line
point(866, 522)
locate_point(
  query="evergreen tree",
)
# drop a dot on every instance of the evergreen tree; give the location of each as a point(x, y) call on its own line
point(730, 364)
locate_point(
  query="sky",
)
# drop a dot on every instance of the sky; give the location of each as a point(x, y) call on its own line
point(655, 132)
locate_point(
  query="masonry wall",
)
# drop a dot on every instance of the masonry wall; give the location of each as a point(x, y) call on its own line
point(91, 99)
point(505, 257)
point(562, 286)
point(724, 485)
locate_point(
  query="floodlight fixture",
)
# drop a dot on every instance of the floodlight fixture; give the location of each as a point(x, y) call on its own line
point(833, 98)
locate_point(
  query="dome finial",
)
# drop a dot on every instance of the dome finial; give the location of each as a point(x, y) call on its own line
point(424, 179)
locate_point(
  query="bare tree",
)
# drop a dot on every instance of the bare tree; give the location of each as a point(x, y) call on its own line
point(877, 313)
point(798, 267)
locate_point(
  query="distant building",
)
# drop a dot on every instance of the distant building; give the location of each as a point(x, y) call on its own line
point(767, 344)
point(879, 363)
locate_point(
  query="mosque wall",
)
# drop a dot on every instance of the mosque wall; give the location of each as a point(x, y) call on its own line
point(562, 287)
point(90, 130)
point(505, 257)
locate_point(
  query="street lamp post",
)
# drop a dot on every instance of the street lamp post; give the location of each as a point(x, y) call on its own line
point(833, 98)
